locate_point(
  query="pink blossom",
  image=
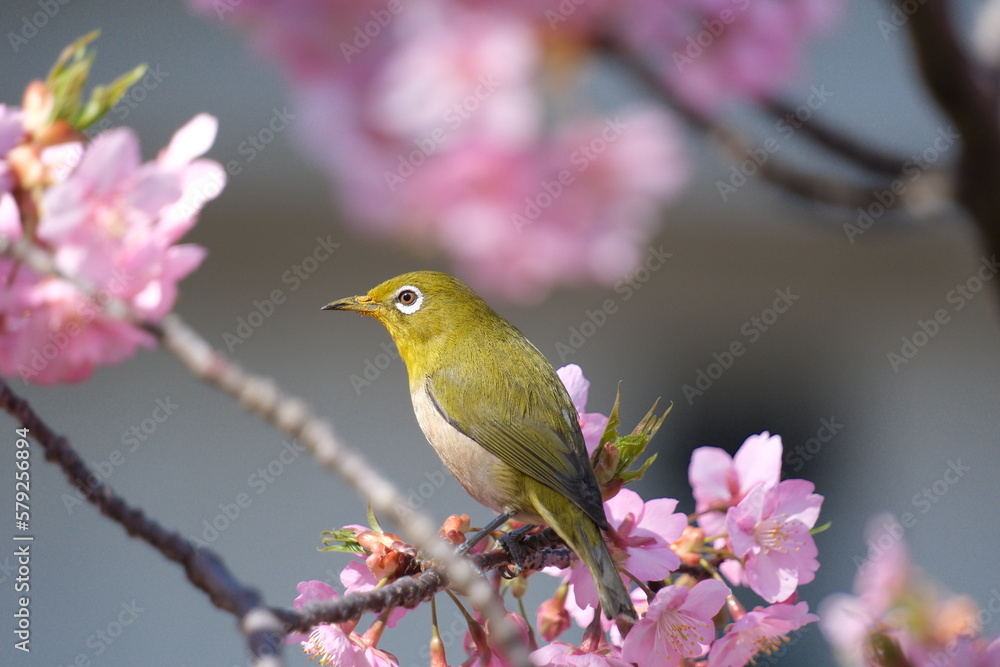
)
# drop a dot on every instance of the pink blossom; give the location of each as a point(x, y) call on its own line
point(762, 630)
point(335, 643)
point(677, 625)
point(358, 578)
point(442, 132)
point(643, 533)
point(719, 481)
point(112, 224)
point(591, 423)
point(714, 51)
point(561, 653)
point(769, 530)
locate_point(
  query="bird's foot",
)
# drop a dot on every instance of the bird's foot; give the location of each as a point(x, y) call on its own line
point(511, 543)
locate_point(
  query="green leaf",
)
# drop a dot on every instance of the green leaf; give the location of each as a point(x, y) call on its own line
point(342, 539)
point(819, 529)
point(611, 430)
point(373, 520)
point(68, 77)
point(104, 98)
point(631, 446)
point(634, 475)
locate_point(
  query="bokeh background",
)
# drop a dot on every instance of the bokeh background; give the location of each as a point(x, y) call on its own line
point(823, 361)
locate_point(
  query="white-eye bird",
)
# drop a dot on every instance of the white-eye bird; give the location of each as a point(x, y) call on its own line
point(498, 415)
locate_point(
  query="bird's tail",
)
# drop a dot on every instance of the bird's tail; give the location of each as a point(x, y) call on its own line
point(583, 536)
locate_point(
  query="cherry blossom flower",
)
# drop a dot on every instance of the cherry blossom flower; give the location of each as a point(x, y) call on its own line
point(358, 578)
point(677, 625)
point(769, 530)
point(336, 643)
point(643, 533)
point(591, 423)
point(112, 224)
point(719, 481)
point(561, 653)
point(898, 611)
point(762, 630)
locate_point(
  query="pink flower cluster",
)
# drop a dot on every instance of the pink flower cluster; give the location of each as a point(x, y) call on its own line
point(110, 224)
point(476, 128)
point(899, 616)
point(759, 524)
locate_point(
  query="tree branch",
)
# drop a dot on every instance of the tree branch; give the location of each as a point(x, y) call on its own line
point(203, 567)
point(811, 186)
point(967, 93)
point(844, 145)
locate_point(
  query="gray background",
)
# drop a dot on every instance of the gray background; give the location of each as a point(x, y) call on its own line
point(824, 358)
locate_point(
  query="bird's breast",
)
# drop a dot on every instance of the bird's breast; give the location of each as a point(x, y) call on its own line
point(481, 473)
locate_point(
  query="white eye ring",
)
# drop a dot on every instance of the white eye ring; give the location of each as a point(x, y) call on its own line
point(412, 306)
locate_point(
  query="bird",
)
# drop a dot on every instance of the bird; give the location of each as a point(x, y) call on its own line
point(495, 411)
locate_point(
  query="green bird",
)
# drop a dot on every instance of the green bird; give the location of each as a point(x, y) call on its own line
point(498, 415)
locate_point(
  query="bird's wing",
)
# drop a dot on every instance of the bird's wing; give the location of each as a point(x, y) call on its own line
point(555, 456)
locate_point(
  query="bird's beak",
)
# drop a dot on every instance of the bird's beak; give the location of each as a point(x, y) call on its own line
point(359, 304)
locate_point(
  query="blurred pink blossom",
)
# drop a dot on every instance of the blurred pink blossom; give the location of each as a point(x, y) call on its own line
point(897, 608)
point(710, 52)
point(453, 128)
point(561, 653)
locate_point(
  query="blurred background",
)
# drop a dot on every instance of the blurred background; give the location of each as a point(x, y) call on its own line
point(822, 362)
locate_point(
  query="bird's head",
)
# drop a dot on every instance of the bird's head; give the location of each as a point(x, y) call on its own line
point(420, 309)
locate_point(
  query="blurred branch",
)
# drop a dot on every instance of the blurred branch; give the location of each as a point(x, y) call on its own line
point(966, 92)
point(203, 567)
point(808, 185)
point(844, 145)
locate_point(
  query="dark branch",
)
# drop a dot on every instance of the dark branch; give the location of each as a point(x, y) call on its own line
point(540, 551)
point(847, 146)
point(811, 186)
point(967, 93)
point(203, 568)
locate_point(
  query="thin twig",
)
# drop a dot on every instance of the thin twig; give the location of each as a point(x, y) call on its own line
point(203, 567)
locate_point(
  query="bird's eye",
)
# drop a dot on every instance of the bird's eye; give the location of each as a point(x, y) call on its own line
point(409, 299)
